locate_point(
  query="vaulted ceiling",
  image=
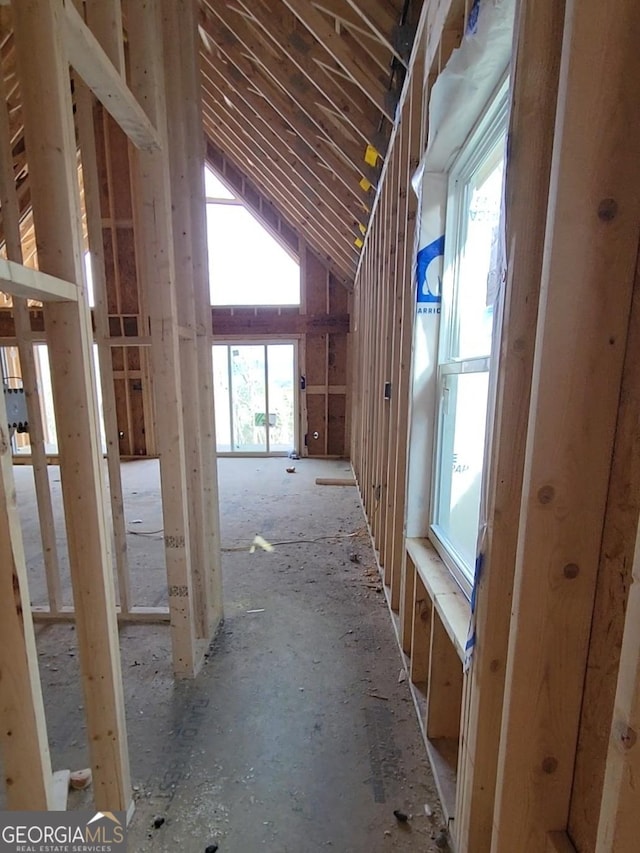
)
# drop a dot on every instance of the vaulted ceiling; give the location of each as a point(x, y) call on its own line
point(300, 95)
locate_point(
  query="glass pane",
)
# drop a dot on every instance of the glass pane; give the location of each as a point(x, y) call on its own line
point(476, 276)
point(462, 454)
point(281, 397)
point(248, 398)
point(213, 186)
point(221, 398)
point(246, 264)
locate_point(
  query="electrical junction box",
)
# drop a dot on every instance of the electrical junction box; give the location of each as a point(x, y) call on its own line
point(16, 404)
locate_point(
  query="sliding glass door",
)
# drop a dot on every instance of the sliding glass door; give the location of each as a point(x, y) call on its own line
point(255, 398)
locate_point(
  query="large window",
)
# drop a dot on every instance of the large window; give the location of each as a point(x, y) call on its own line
point(247, 266)
point(471, 276)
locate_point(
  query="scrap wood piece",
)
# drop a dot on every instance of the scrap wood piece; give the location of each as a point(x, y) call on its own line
point(335, 481)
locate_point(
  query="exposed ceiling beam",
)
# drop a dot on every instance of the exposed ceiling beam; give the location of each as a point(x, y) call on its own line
point(322, 30)
point(265, 96)
point(280, 171)
point(232, 28)
point(287, 196)
point(297, 46)
point(372, 16)
point(345, 202)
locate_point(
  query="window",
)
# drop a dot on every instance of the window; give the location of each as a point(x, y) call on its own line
point(471, 278)
point(247, 266)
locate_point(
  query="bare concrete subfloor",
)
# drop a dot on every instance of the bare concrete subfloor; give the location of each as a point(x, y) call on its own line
point(297, 736)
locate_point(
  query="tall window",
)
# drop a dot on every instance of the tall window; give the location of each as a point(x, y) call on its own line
point(247, 266)
point(471, 276)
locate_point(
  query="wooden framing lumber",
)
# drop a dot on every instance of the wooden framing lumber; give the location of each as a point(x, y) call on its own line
point(535, 79)
point(11, 227)
point(265, 97)
point(195, 189)
point(276, 67)
point(617, 828)
point(50, 139)
point(322, 30)
point(87, 140)
point(298, 53)
point(188, 208)
point(105, 80)
point(371, 18)
point(591, 241)
point(155, 252)
point(275, 133)
point(28, 283)
point(23, 732)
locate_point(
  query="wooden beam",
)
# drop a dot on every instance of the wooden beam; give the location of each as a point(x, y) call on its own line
point(196, 376)
point(23, 730)
point(105, 81)
point(591, 241)
point(155, 254)
point(50, 139)
point(291, 200)
point(343, 224)
point(298, 48)
point(322, 30)
point(91, 183)
point(534, 84)
point(617, 828)
point(368, 16)
point(104, 18)
point(195, 159)
point(313, 130)
point(11, 228)
point(28, 283)
point(270, 126)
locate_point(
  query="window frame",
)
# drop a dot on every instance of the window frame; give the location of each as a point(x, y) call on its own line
point(483, 140)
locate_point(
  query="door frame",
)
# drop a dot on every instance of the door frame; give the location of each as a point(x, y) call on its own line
point(265, 340)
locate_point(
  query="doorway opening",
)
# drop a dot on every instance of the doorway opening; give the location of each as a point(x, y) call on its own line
point(256, 398)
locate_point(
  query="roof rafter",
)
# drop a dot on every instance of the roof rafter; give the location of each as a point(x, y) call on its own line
point(298, 48)
point(292, 197)
point(235, 28)
point(265, 129)
point(322, 30)
point(288, 196)
point(381, 25)
point(280, 170)
point(239, 71)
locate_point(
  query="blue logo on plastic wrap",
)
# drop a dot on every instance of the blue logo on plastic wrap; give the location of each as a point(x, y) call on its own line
point(428, 273)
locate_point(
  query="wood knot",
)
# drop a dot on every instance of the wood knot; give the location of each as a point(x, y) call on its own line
point(626, 736)
point(571, 571)
point(546, 494)
point(607, 209)
point(550, 764)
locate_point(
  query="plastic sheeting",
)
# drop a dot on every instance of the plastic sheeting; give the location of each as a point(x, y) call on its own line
point(458, 98)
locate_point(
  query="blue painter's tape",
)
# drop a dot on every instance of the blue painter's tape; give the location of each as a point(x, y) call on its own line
point(429, 277)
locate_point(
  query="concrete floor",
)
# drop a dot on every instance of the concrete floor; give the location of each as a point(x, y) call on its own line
point(298, 735)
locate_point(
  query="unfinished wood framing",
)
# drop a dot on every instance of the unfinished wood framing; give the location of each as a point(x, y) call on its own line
point(564, 547)
point(48, 117)
point(315, 115)
point(25, 749)
point(539, 36)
